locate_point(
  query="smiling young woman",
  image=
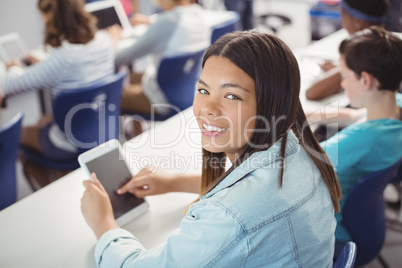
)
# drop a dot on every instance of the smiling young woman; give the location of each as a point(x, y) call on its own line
point(274, 207)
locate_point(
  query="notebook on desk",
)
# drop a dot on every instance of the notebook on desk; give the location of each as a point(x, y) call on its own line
point(12, 47)
point(109, 13)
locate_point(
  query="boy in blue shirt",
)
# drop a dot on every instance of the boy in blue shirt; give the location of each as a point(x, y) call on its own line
point(371, 68)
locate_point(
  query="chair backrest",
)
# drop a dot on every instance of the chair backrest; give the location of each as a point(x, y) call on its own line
point(89, 116)
point(364, 213)
point(9, 140)
point(177, 77)
point(347, 257)
point(225, 27)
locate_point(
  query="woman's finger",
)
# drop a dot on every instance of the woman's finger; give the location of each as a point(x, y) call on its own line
point(137, 182)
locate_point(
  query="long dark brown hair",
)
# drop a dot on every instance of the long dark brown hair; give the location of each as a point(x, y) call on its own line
point(68, 20)
point(272, 65)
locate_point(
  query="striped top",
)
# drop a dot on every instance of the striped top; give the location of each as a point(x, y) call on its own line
point(67, 67)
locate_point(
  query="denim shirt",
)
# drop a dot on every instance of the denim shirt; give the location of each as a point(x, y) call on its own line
point(247, 220)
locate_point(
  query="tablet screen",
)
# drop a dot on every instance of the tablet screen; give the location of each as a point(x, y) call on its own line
point(112, 172)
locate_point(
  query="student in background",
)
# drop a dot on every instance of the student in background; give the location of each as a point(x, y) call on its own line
point(356, 15)
point(79, 56)
point(273, 207)
point(129, 6)
point(179, 29)
point(371, 68)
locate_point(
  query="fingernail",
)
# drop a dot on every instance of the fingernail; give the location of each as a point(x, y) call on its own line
point(119, 191)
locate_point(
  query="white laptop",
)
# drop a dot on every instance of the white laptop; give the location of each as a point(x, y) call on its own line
point(12, 47)
point(111, 12)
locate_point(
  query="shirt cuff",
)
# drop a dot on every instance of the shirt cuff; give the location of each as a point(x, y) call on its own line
point(108, 238)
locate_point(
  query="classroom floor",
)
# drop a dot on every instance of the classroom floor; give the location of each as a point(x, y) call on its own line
point(393, 245)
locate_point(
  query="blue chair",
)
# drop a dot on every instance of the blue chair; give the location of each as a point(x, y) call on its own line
point(9, 140)
point(347, 257)
point(89, 117)
point(364, 214)
point(177, 77)
point(225, 27)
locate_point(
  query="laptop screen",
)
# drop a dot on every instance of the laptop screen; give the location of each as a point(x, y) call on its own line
point(106, 17)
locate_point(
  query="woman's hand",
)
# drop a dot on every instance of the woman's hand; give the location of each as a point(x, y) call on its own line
point(149, 181)
point(96, 207)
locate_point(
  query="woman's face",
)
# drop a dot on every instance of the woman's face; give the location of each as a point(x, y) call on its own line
point(225, 107)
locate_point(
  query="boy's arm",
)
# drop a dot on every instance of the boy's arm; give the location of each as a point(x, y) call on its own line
point(329, 115)
point(329, 84)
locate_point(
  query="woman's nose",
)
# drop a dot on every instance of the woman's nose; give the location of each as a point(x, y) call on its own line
point(210, 107)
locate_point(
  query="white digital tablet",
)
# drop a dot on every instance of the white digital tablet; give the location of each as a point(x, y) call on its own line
point(108, 163)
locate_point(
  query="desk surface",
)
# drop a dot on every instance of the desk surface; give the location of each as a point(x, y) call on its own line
point(47, 229)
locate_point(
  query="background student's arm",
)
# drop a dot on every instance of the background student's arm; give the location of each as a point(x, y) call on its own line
point(138, 18)
point(152, 181)
point(154, 40)
point(329, 115)
point(329, 84)
point(44, 74)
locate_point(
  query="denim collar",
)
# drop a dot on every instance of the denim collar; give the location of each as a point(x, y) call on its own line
point(255, 161)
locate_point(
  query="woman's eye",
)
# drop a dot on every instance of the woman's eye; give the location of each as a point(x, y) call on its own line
point(232, 97)
point(202, 91)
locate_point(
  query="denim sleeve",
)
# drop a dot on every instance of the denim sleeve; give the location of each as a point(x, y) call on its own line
point(208, 236)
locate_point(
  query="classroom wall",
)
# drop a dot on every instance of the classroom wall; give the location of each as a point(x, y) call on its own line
point(23, 17)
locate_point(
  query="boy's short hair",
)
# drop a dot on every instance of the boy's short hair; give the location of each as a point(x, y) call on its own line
point(376, 51)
